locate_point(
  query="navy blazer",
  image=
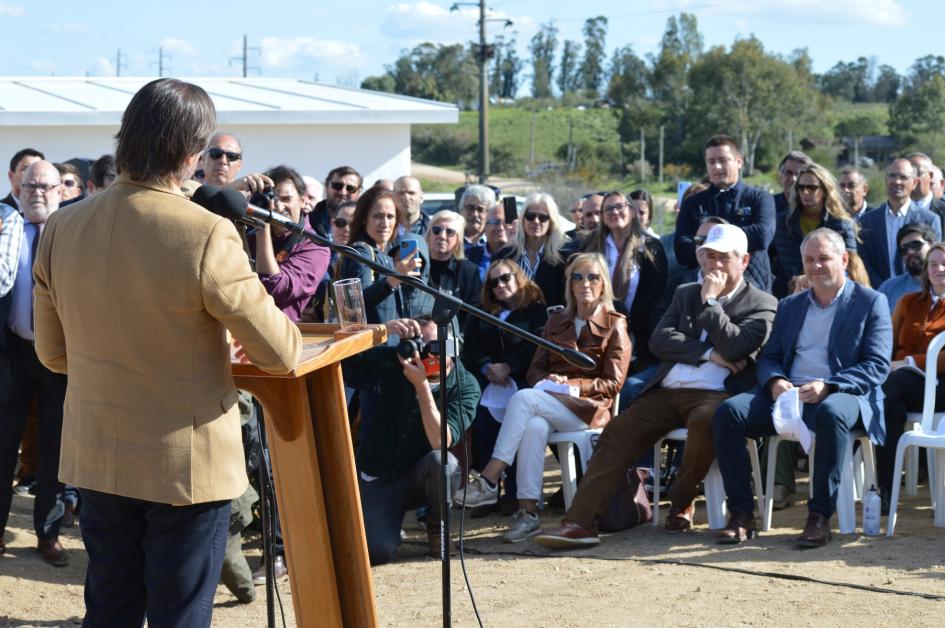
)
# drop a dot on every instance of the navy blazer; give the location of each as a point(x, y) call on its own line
point(873, 247)
point(788, 261)
point(859, 348)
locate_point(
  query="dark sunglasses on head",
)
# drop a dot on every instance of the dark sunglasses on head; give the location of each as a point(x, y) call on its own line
point(911, 247)
point(337, 186)
point(503, 278)
point(591, 277)
point(533, 216)
point(438, 229)
point(340, 223)
point(217, 153)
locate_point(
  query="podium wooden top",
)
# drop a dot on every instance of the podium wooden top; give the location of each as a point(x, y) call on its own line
point(320, 348)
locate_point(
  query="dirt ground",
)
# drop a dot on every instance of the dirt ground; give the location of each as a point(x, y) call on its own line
point(641, 577)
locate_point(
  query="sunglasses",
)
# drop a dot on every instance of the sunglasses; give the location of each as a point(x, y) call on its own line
point(501, 279)
point(533, 216)
point(591, 277)
point(911, 247)
point(44, 188)
point(216, 153)
point(337, 186)
point(340, 223)
point(806, 188)
point(613, 209)
point(69, 183)
point(438, 229)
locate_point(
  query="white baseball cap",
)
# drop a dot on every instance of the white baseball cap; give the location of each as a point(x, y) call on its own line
point(725, 239)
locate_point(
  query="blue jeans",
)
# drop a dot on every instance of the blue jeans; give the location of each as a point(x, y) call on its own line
point(749, 416)
point(151, 559)
point(384, 502)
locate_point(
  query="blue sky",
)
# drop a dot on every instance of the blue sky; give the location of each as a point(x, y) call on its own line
point(344, 42)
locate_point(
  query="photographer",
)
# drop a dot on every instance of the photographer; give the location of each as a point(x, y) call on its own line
point(398, 455)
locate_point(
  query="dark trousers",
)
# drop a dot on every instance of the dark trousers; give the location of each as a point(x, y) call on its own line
point(150, 559)
point(384, 503)
point(749, 416)
point(904, 392)
point(29, 378)
point(632, 432)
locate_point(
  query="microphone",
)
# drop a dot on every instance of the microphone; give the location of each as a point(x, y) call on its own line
point(211, 199)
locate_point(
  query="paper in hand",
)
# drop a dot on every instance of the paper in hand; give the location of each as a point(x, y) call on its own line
point(553, 387)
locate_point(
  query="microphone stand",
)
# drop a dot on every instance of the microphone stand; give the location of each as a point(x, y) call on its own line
point(445, 307)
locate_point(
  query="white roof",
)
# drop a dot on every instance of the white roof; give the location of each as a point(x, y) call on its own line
point(42, 101)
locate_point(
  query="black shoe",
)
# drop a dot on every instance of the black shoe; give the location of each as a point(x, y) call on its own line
point(885, 497)
point(556, 500)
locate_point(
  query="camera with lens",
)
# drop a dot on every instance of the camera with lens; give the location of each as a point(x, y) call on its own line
point(263, 199)
point(408, 346)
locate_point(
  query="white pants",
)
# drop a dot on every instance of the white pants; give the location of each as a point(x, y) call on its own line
point(531, 416)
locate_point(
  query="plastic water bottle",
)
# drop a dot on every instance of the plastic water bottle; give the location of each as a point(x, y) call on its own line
point(872, 507)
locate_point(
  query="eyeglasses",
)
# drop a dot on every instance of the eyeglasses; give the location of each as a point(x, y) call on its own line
point(503, 279)
point(69, 183)
point(613, 209)
point(438, 229)
point(533, 216)
point(806, 188)
point(580, 277)
point(474, 208)
point(340, 223)
point(911, 247)
point(217, 153)
point(337, 186)
point(45, 188)
point(494, 222)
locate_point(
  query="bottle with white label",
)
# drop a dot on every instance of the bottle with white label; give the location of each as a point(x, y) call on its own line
point(872, 507)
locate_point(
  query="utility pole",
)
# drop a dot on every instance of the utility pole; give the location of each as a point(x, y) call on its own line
point(244, 58)
point(661, 153)
point(119, 63)
point(642, 155)
point(160, 62)
point(483, 97)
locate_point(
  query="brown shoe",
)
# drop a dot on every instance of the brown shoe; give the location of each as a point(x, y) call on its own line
point(679, 519)
point(741, 527)
point(816, 532)
point(569, 535)
point(53, 552)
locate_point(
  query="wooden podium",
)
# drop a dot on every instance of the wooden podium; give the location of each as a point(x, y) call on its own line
point(316, 482)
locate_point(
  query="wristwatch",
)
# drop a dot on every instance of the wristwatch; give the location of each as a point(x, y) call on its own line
point(711, 301)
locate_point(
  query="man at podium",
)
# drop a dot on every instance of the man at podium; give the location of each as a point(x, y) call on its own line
point(398, 457)
point(135, 289)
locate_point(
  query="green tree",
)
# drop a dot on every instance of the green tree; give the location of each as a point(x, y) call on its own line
point(917, 118)
point(887, 84)
point(438, 72)
point(592, 67)
point(629, 77)
point(568, 77)
point(506, 68)
point(924, 70)
point(543, 46)
point(382, 83)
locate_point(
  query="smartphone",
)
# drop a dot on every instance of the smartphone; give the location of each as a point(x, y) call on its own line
point(407, 248)
point(510, 206)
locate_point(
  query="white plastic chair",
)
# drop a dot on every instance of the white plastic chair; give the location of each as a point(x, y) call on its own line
point(913, 419)
point(714, 487)
point(846, 498)
point(924, 435)
point(566, 442)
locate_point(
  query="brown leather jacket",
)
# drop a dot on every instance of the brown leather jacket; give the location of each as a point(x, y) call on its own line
point(603, 338)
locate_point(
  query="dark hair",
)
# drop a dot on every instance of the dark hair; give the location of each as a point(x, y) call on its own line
point(345, 205)
point(166, 122)
point(70, 169)
point(641, 195)
point(365, 203)
point(720, 140)
point(919, 228)
point(102, 168)
point(343, 171)
point(798, 156)
point(528, 290)
point(285, 173)
point(24, 152)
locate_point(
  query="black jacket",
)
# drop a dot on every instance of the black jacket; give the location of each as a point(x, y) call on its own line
point(549, 277)
point(459, 278)
point(483, 343)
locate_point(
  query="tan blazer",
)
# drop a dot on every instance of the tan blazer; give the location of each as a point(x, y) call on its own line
point(135, 289)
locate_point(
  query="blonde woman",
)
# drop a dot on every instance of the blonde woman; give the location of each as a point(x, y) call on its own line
point(589, 324)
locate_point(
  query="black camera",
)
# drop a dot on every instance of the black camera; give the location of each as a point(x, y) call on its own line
point(263, 199)
point(408, 346)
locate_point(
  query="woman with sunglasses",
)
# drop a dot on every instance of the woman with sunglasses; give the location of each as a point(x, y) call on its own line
point(539, 246)
point(496, 356)
point(588, 323)
point(320, 311)
point(449, 272)
point(637, 267)
point(813, 202)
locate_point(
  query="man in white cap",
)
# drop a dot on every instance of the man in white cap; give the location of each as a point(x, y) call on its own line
point(706, 343)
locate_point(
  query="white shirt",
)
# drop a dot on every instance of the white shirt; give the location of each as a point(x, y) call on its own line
point(613, 256)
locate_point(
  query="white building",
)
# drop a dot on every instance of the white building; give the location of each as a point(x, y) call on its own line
point(308, 126)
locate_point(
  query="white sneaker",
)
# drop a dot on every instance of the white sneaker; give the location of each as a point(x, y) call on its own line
point(477, 493)
point(524, 524)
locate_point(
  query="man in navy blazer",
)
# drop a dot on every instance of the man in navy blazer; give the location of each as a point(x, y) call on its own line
point(831, 342)
point(878, 227)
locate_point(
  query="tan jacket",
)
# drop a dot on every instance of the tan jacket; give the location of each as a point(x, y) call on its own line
point(603, 338)
point(135, 288)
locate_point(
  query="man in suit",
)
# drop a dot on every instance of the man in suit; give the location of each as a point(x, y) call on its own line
point(922, 195)
point(151, 429)
point(854, 188)
point(878, 227)
point(706, 343)
point(938, 183)
point(18, 165)
point(749, 208)
point(40, 195)
point(832, 343)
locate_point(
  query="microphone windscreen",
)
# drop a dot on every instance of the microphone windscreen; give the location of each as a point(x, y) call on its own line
point(203, 196)
point(229, 203)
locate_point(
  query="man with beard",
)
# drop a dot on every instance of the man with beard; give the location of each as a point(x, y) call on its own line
point(914, 242)
point(342, 184)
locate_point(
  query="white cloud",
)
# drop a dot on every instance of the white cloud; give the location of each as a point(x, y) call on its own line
point(280, 52)
point(876, 12)
point(103, 67)
point(424, 21)
point(43, 67)
point(11, 10)
point(176, 46)
point(69, 29)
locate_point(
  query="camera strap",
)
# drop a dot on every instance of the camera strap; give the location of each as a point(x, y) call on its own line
point(286, 249)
